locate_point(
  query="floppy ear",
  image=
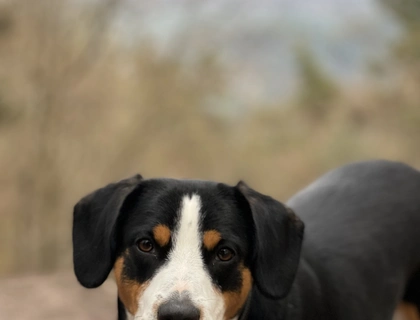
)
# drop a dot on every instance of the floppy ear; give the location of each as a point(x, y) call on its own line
point(278, 240)
point(94, 219)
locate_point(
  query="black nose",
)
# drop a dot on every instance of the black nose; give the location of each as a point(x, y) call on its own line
point(178, 309)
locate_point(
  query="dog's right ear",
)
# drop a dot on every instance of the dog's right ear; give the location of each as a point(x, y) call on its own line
point(94, 220)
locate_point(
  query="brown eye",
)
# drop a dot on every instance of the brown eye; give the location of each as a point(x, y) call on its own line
point(145, 245)
point(225, 254)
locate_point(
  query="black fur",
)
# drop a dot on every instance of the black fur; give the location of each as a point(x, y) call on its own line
point(361, 246)
point(127, 212)
point(94, 222)
point(360, 253)
point(278, 239)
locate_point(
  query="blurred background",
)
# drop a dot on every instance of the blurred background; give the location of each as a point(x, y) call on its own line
point(95, 91)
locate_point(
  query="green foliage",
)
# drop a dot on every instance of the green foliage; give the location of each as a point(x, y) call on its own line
point(6, 22)
point(407, 57)
point(407, 11)
point(316, 89)
point(93, 112)
point(407, 48)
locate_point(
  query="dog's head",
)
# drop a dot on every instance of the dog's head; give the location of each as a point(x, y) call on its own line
point(183, 249)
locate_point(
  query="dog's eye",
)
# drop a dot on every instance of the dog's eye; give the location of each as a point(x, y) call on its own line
point(225, 254)
point(145, 245)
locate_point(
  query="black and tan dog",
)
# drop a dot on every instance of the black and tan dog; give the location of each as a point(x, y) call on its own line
point(199, 250)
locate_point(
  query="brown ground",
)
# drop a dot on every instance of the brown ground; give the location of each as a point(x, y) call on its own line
point(60, 297)
point(55, 297)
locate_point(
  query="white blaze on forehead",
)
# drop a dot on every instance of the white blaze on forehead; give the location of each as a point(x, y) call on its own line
point(184, 270)
point(187, 244)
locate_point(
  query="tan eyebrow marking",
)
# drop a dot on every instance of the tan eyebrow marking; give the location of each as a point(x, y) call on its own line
point(211, 238)
point(407, 311)
point(162, 234)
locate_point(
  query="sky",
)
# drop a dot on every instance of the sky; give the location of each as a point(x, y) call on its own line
point(256, 39)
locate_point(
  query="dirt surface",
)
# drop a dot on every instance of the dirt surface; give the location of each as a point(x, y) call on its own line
point(55, 297)
point(59, 297)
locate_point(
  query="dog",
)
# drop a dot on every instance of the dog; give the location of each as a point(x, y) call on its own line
point(347, 247)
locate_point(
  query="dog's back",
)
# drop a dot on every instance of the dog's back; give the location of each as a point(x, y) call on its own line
point(362, 237)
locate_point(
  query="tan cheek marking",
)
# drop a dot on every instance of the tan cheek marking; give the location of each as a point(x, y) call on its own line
point(129, 291)
point(211, 238)
point(406, 311)
point(162, 234)
point(234, 301)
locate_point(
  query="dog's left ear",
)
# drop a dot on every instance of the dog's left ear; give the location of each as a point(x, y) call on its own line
point(278, 240)
point(94, 219)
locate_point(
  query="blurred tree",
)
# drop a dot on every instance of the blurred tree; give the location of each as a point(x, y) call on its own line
point(407, 11)
point(5, 20)
point(408, 47)
point(407, 58)
point(93, 112)
point(52, 47)
point(7, 114)
point(316, 89)
point(169, 104)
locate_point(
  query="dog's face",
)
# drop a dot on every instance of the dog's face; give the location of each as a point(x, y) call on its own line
point(185, 249)
point(183, 241)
